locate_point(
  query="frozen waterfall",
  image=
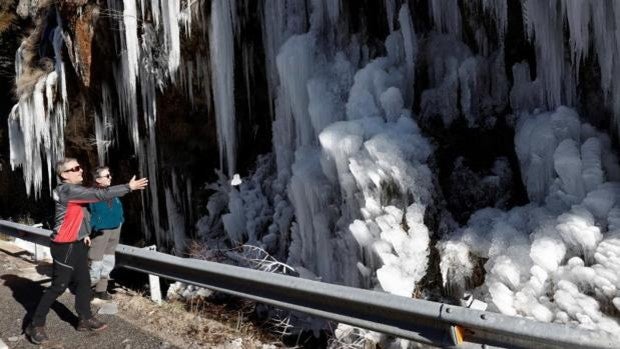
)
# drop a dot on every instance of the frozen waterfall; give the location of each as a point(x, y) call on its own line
point(349, 193)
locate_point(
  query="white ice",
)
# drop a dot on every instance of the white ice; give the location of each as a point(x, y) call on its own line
point(554, 259)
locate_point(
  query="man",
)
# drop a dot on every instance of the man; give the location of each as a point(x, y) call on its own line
point(69, 246)
point(106, 218)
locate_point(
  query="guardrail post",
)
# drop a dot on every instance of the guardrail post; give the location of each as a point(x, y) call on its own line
point(154, 281)
point(38, 251)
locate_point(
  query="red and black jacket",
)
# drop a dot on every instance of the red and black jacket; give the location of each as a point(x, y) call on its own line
point(72, 217)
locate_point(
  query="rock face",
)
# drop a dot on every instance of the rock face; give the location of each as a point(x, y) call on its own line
point(82, 21)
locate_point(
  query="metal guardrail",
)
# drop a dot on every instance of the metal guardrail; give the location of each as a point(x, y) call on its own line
point(418, 320)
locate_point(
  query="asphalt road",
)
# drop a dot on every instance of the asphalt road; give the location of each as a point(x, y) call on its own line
point(21, 285)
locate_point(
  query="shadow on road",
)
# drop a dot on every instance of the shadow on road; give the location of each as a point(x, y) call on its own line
point(28, 293)
point(45, 269)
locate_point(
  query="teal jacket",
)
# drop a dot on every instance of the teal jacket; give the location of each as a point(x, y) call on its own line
point(106, 214)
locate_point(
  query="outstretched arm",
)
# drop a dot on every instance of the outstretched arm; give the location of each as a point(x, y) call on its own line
point(81, 194)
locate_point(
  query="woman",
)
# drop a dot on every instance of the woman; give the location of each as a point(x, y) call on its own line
point(106, 221)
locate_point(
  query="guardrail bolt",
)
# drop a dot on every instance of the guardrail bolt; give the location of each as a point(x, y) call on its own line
point(483, 316)
point(484, 346)
point(448, 310)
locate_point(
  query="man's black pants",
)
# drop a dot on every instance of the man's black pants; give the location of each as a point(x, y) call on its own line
point(70, 266)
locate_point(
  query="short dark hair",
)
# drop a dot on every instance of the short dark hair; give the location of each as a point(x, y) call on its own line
point(60, 166)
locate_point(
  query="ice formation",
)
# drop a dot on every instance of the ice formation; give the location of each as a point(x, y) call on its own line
point(462, 83)
point(375, 160)
point(545, 26)
point(222, 66)
point(104, 125)
point(37, 121)
point(554, 259)
point(353, 158)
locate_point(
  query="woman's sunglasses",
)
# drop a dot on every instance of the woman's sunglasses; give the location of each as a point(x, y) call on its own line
point(73, 169)
point(106, 176)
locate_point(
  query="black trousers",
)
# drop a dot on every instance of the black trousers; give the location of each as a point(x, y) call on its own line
point(70, 266)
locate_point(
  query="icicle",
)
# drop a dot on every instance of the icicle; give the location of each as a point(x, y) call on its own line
point(31, 125)
point(100, 140)
point(170, 16)
point(151, 224)
point(18, 61)
point(324, 13)
point(41, 143)
point(53, 86)
point(411, 51)
point(606, 50)
point(148, 151)
point(545, 27)
point(295, 64)
point(50, 85)
point(281, 19)
point(60, 68)
point(333, 10)
point(130, 22)
point(176, 217)
point(390, 10)
point(248, 72)
point(447, 16)
point(578, 18)
point(125, 75)
point(186, 17)
point(499, 10)
point(16, 139)
point(36, 123)
point(222, 65)
point(317, 14)
point(104, 125)
point(155, 12)
point(311, 194)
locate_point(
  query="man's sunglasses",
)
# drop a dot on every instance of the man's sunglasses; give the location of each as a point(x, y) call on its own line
point(106, 176)
point(73, 169)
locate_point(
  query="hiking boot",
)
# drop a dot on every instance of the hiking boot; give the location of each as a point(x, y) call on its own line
point(102, 295)
point(91, 324)
point(36, 334)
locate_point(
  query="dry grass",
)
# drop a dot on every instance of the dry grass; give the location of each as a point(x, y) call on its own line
point(25, 84)
point(33, 67)
point(32, 70)
point(197, 325)
point(7, 19)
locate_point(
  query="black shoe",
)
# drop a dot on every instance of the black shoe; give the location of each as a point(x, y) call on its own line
point(102, 295)
point(36, 334)
point(91, 324)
